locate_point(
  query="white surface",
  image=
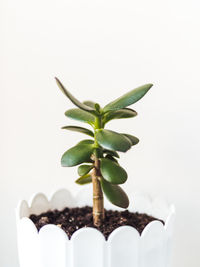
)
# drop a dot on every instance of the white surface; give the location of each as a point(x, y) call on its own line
point(87, 246)
point(100, 49)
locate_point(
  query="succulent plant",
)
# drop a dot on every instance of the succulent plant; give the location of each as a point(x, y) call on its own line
point(98, 156)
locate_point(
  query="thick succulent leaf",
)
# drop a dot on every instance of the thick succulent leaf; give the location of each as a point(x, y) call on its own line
point(111, 152)
point(80, 115)
point(129, 98)
point(79, 129)
point(115, 194)
point(86, 142)
point(90, 103)
point(112, 140)
point(108, 156)
point(75, 101)
point(112, 172)
point(119, 114)
point(84, 169)
point(85, 179)
point(77, 155)
point(134, 140)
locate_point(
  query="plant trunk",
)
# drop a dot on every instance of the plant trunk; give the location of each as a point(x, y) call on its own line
point(98, 203)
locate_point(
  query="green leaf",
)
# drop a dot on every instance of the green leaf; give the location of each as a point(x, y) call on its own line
point(112, 140)
point(80, 115)
point(86, 142)
point(112, 172)
point(79, 129)
point(90, 103)
point(84, 169)
point(111, 152)
point(75, 101)
point(108, 156)
point(115, 194)
point(129, 98)
point(134, 140)
point(77, 155)
point(97, 107)
point(119, 114)
point(85, 179)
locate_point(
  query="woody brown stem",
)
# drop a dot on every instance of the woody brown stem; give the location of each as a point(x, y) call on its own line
point(98, 203)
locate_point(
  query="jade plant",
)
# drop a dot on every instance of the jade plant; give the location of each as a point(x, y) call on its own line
point(97, 157)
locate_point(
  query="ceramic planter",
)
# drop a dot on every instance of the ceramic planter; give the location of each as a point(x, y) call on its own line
point(88, 247)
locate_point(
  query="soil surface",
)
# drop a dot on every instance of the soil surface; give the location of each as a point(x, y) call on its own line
point(72, 219)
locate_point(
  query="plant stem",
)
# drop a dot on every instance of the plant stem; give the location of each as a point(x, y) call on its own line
point(98, 202)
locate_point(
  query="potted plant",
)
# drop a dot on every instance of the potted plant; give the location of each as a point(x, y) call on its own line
point(114, 238)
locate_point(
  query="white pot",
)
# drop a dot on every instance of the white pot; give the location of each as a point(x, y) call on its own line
point(88, 247)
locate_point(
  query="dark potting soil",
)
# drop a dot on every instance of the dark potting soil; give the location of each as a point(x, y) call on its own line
point(72, 219)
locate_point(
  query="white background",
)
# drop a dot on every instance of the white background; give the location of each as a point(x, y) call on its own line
point(100, 49)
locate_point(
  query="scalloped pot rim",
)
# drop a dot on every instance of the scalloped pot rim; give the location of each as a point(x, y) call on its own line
point(24, 210)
